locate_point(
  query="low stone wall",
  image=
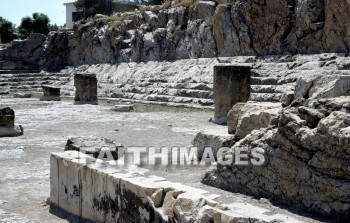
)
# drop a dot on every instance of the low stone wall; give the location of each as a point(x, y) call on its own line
point(104, 193)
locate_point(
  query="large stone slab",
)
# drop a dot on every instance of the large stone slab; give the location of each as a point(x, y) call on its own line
point(85, 88)
point(231, 85)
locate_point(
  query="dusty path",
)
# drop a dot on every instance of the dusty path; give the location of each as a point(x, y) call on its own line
point(24, 161)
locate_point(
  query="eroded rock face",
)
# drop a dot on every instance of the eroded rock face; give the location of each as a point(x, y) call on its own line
point(22, 54)
point(203, 29)
point(309, 146)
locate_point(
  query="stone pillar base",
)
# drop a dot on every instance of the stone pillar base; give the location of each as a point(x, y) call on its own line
point(11, 131)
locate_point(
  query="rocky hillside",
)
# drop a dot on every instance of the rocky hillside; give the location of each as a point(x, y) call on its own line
point(203, 29)
point(193, 29)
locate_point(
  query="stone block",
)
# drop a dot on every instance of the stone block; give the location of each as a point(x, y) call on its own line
point(86, 88)
point(51, 93)
point(7, 117)
point(231, 85)
point(246, 117)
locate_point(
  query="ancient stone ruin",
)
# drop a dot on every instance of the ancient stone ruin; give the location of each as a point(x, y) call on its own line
point(51, 93)
point(231, 85)
point(85, 88)
point(7, 124)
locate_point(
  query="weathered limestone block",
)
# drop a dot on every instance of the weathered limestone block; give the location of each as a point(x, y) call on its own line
point(246, 117)
point(231, 85)
point(7, 124)
point(86, 88)
point(51, 93)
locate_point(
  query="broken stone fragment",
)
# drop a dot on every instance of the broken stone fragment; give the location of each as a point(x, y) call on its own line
point(94, 146)
point(287, 98)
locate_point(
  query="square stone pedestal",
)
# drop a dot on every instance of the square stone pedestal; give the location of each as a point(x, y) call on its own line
point(231, 85)
point(86, 88)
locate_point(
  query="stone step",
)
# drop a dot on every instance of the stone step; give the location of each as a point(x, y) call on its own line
point(43, 78)
point(265, 97)
point(282, 88)
point(263, 88)
point(163, 98)
point(171, 92)
point(19, 71)
point(34, 75)
point(264, 80)
point(19, 83)
point(185, 105)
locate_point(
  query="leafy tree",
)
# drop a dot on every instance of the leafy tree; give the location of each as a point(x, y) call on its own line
point(38, 23)
point(89, 8)
point(26, 27)
point(7, 31)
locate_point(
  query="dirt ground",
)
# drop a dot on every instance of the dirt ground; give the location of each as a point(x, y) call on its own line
point(24, 161)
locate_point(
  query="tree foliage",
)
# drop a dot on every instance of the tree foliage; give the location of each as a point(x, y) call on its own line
point(7, 31)
point(38, 23)
point(89, 8)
